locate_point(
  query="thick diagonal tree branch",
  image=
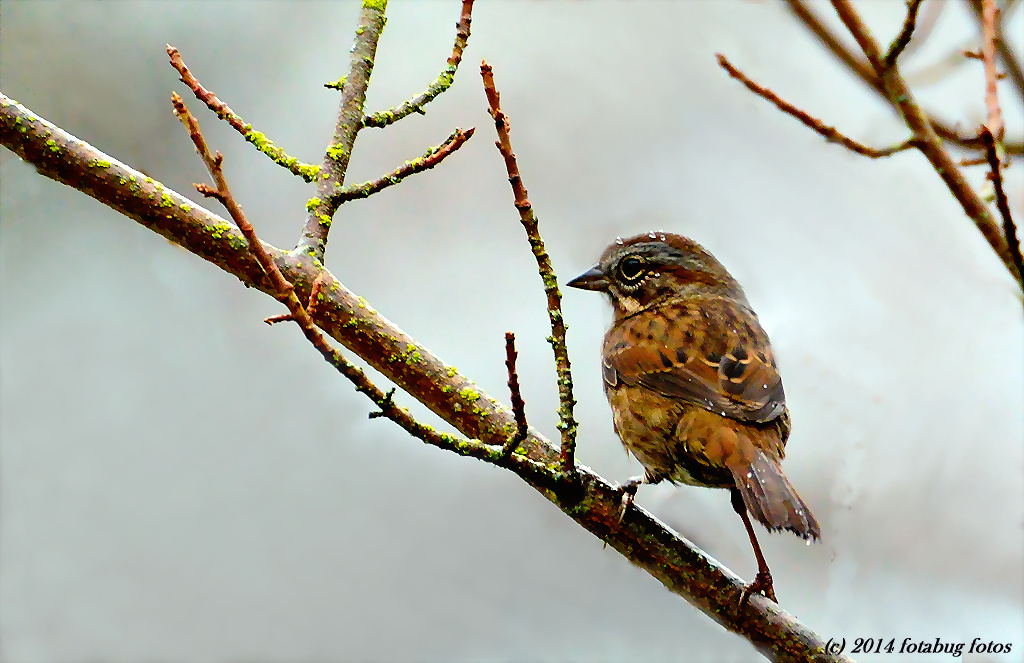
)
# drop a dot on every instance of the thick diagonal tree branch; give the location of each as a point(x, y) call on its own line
point(341, 314)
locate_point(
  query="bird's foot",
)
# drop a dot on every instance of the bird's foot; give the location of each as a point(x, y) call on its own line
point(762, 585)
point(629, 493)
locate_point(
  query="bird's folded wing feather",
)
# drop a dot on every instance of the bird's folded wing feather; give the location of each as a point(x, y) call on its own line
point(711, 352)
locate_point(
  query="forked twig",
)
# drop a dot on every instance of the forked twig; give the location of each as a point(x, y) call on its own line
point(566, 422)
point(331, 189)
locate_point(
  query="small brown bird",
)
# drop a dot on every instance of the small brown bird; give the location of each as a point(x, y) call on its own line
point(694, 389)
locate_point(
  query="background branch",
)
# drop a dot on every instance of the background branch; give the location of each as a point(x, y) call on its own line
point(883, 71)
point(989, 21)
point(1009, 60)
point(860, 68)
point(830, 134)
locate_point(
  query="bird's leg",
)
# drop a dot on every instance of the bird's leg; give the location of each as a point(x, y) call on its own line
point(629, 493)
point(763, 580)
point(629, 490)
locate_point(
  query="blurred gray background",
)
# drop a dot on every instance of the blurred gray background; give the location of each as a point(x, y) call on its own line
point(181, 482)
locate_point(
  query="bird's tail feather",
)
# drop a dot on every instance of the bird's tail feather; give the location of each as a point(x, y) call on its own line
point(772, 500)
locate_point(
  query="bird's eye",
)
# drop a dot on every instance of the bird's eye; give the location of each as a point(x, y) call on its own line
point(632, 268)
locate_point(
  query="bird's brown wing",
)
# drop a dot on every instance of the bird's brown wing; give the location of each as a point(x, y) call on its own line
point(709, 351)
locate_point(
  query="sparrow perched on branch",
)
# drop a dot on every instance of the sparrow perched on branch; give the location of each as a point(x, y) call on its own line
point(692, 382)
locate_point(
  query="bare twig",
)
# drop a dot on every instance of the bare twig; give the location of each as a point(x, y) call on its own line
point(440, 84)
point(566, 423)
point(992, 130)
point(518, 406)
point(306, 171)
point(274, 319)
point(830, 134)
point(431, 158)
point(1010, 62)
point(1009, 227)
point(989, 18)
point(906, 33)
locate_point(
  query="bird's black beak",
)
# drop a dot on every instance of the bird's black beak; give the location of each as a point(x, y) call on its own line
point(592, 279)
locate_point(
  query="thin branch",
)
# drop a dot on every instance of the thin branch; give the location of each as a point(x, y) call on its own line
point(431, 158)
point(588, 499)
point(989, 18)
point(992, 130)
point(926, 139)
point(974, 162)
point(901, 41)
point(1009, 227)
point(566, 423)
point(518, 406)
point(1009, 60)
point(924, 26)
point(803, 12)
point(306, 171)
point(831, 134)
point(440, 84)
point(350, 120)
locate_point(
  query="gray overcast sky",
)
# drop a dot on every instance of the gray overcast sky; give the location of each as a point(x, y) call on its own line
point(181, 482)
